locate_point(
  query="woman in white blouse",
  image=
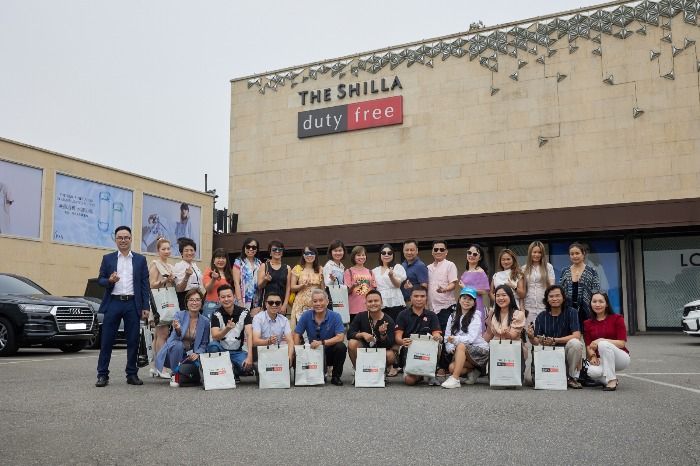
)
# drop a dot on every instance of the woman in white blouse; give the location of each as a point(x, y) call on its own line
point(187, 274)
point(389, 275)
point(509, 273)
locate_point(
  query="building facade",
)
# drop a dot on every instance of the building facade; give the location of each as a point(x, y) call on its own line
point(58, 215)
point(583, 125)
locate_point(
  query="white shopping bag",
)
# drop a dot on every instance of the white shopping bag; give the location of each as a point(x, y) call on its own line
point(273, 367)
point(370, 366)
point(217, 371)
point(309, 368)
point(422, 356)
point(148, 337)
point(166, 304)
point(550, 368)
point(505, 363)
point(339, 297)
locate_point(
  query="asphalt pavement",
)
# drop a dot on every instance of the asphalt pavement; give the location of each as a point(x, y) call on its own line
point(51, 413)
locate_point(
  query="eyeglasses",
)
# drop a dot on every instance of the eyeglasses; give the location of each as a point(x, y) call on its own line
point(274, 303)
point(251, 247)
point(469, 253)
point(194, 300)
point(439, 249)
point(387, 253)
point(309, 253)
point(276, 249)
point(318, 332)
point(123, 238)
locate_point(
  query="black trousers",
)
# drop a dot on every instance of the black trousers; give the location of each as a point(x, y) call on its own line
point(335, 356)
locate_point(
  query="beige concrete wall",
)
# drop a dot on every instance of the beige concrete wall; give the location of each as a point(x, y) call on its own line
point(64, 269)
point(462, 151)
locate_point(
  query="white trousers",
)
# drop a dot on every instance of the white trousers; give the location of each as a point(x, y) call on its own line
point(612, 359)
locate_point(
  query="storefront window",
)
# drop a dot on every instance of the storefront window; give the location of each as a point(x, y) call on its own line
point(604, 257)
point(671, 278)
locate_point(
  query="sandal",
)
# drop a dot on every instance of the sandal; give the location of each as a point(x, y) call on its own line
point(393, 372)
point(611, 389)
point(573, 383)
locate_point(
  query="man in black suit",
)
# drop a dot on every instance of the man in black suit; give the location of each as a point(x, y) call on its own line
point(124, 275)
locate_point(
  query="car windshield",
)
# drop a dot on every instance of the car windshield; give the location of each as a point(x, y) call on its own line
point(13, 285)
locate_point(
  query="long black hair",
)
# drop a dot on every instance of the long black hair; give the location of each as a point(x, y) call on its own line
point(482, 260)
point(392, 262)
point(512, 307)
point(466, 318)
point(246, 243)
point(221, 252)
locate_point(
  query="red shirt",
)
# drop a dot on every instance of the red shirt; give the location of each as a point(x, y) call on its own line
point(611, 328)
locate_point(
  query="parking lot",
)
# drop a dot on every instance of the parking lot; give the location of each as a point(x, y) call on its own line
point(51, 413)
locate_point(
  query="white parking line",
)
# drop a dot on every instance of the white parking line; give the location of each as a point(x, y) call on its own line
point(19, 361)
point(663, 373)
point(663, 383)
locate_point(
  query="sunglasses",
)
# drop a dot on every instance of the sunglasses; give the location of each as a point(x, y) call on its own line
point(387, 253)
point(274, 303)
point(309, 253)
point(276, 249)
point(252, 247)
point(469, 253)
point(439, 249)
point(318, 332)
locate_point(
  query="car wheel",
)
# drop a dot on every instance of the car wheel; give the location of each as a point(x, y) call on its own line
point(71, 346)
point(94, 342)
point(8, 342)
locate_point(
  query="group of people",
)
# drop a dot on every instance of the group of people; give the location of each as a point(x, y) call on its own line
point(239, 307)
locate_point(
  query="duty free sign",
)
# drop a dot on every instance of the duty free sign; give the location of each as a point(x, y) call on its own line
point(351, 117)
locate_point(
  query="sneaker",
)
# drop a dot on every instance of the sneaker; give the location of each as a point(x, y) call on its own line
point(471, 377)
point(173, 382)
point(573, 383)
point(451, 382)
point(236, 378)
point(433, 382)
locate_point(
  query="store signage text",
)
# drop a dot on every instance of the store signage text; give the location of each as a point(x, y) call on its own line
point(692, 260)
point(350, 117)
point(350, 90)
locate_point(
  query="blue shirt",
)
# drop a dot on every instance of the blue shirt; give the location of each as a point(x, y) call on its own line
point(417, 273)
point(559, 326)
point(331, 325)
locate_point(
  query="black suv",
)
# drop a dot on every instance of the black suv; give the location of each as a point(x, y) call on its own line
point(29, 315)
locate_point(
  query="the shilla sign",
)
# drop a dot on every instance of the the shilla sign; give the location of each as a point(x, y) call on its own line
point(351, 117)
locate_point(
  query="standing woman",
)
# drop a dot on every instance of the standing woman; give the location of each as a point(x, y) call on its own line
point(245, 277)
point(307, 276)
point(579, 281)
point(274, 276)
point(187, 274)
point(388, 277)
point(606, 339)
point(160, 274)
point(477, 277)
point(334, 269)
point(219, 273)
point(359, 280)
point(539, 274)
point(509, 273)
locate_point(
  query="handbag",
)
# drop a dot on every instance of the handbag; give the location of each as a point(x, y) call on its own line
point(273, 367)
point(187, 373)
point(310, 367)
point(370, 366)
point(339, 300)
point(145, 354)
point(166, 303)
point(217, 371)
point(550, 367)
point(421, 357)
point(505, 362)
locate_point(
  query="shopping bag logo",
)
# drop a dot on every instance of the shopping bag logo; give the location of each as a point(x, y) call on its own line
point(167, 305)
point(550, 369)
point(275, 368)
point(219, 372)
point(422, 356)
point(309, 367)
point(370, 369)
point(503, 363)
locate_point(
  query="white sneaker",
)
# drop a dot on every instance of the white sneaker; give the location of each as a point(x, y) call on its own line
point(471, 377)
point(451, 382)
point(173, 383)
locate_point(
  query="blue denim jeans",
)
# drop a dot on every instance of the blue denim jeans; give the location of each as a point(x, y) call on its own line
point(237, 356)
point(209, 308)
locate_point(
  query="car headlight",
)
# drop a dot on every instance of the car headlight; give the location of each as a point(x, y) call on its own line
point(35, 308)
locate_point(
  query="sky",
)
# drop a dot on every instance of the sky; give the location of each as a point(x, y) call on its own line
point(144, 86)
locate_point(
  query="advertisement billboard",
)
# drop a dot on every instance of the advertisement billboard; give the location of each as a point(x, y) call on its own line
point(171, 220)
point(20, 200)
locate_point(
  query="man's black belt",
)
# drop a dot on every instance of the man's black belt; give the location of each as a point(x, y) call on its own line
point(123, 297)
